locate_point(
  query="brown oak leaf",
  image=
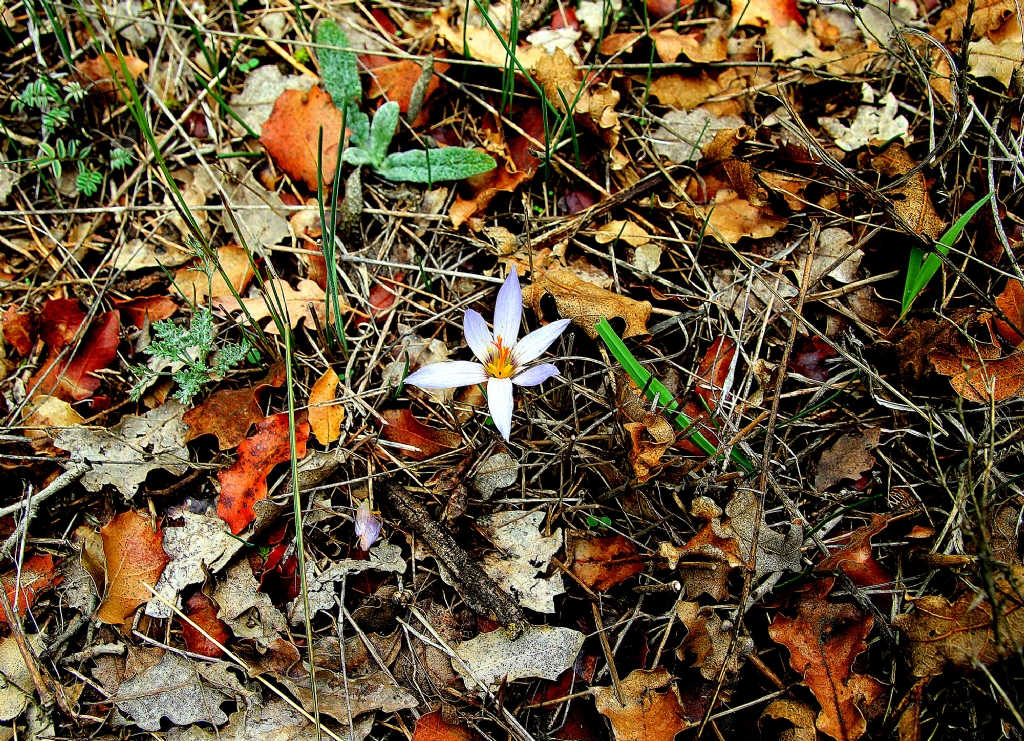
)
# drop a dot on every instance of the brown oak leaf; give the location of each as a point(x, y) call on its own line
point(135, 558)
point(645, 713)
point(586, 303)
point(824, 639)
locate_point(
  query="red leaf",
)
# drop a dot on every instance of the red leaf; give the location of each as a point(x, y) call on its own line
point(1011, 303)
point(72, 379)
point(245, 482)
point(855, 558)
point(382, 297)
point(402, 427)
point(36, 577)
point(809, 356)
point(136, 309)
point(711, 376)
point(59, 322)
point(602, 563)
point(18, 331)
point(203, 612)
point(432, 727)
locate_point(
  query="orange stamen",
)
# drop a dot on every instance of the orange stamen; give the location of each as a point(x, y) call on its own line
point(499, 363)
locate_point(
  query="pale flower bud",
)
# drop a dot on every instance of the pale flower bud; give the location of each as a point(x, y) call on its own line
point(367, 526)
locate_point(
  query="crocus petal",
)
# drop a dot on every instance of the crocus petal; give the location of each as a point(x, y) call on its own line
point(499, 400)
point(447, 375)
point(534, 344)
point(508, 310)
point(535, 375)
point(478, 336)
point(367, 526)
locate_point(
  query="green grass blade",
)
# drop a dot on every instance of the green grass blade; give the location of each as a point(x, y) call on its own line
point(656, 391)
point(920, 269)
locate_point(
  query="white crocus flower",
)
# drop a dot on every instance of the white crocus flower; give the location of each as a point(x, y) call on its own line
point(502, 356)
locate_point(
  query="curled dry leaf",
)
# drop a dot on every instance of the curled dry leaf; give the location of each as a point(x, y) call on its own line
point(645, 713)
point(824, 640)
point(799, 716)
point(602, 563)
point(105, 74)
point(911, 200)
point(402, 427)
point(856, 560)
point(847, 459)
point(139, 311)
point(196, 287)
point(249, 612)
point(325, 416)
point(710, 644)
point(709, 557)
point(292, 133)
point(300, 302)
point(245, 482)
point(963, 632)
point(135, 558)
point(775, 552)
point(729, 217)
point(594, 107)
point(586, 303)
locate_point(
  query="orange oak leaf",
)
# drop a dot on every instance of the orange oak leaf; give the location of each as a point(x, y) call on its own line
point(963, 634)
point(135, 558)
point(291, 134)
point(979, 379)
point(195, 286)
point(23, 587)
point(245, 482)
point(402, 427)
point(202, 611)
point(602, 563)
point(645, 714)
point(229, 413)
point(325, 416)
point(824, 639)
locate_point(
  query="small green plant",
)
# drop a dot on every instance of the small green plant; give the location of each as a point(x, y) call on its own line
point(53, 103)
point(88, 182)
point(56, 155)
point(921, 269)
point(370, 141)
point(249, 65)
point(190, 348)
point(120, 158)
